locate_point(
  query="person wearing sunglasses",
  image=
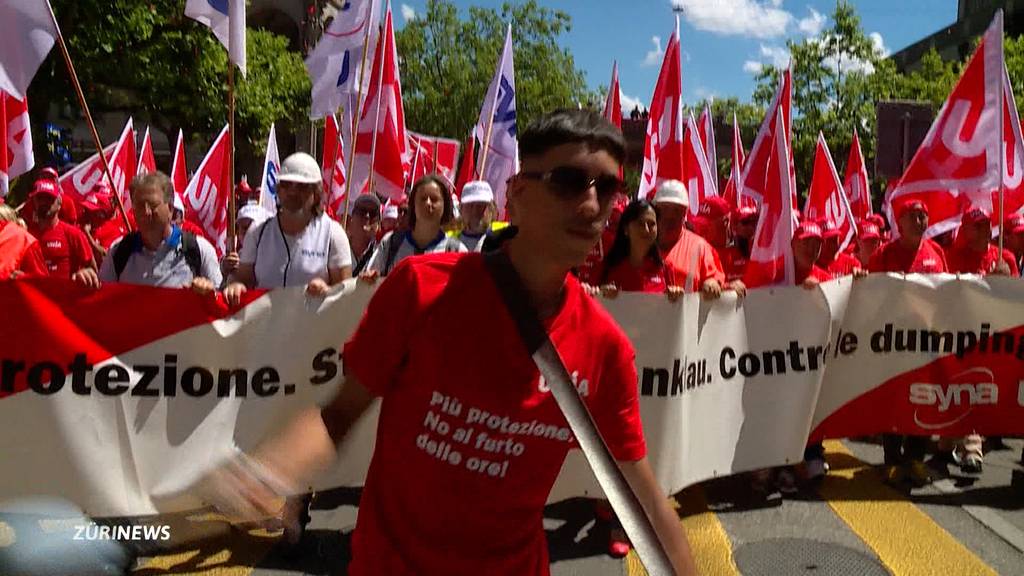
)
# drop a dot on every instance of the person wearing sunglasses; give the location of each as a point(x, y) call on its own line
point(425, 510)
point(362, 229)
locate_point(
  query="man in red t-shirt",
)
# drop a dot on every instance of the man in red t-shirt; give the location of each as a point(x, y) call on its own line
point(869, 238)
point(65, 248)
point(20, 254)
point(96, 210)
point(470, 441)
point(1013, 237)
point(910, 253)
point(832, 260)
point(972, 252)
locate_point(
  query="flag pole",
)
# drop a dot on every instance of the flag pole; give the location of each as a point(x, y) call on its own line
point(88, 116)
point(376, 122)
point(356, 112)
point(231, 154)
point(490, 126)
point(334, 164)
point(1002, 136)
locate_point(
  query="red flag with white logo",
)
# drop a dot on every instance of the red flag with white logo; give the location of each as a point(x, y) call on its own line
point(421, 148)
point(771, 256)
point(697, 175)
point(381, 142)
point(334, 154)
point(433, 155)
point(856, 181)
point(78, 183)
point(612, 103)
point(179, 171)
point(1013, 163)
point(147, 161)
point(663, 145)
point(957, 165)
point(756, 173)
point(826, 200)
point(734, 187)
point(206, 197)
point(706, 129)
point(16, 157)
point(124, 164)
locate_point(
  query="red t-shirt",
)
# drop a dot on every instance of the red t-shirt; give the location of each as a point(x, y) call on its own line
point(894, 257)
point(734, 263)
point(65, 248)
point(966, 261)
point(469, 440)
point(649, 277)
point(19, 251)
point(843, 265)
point(815, 272)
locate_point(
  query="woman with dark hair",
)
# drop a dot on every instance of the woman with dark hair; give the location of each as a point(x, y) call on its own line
point(633, 264)
point(430, 209)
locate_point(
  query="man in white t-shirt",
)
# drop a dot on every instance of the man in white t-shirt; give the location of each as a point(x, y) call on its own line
point(300, 246)
point(477, 212)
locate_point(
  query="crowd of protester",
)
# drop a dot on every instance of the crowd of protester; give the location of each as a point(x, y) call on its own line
point(661, 245)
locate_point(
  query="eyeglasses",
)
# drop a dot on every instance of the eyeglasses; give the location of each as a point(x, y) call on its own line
point(366, 214)
point(570, 182)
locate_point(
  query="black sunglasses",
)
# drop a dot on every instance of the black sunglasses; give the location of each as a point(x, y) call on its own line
point(570, 181)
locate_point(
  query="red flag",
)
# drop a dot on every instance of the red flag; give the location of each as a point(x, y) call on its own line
point(334, 154)
point(421, 148)
point(706, 129)
point(755, 169)
point(771, 256)
point(467, 169)
point(16, 157)
point(1013, 163)
point(856, 181)
point(381, 143)
point(613, 104)
point(433, 155)
point(697, 175)
point(206, 197)
point(446, 158)
point(663, 146)
point(957, 165)
point(826, 200)
point(179, 171)
point(78, 183)
point(124, 163)
point(147, 162)
point(734, 187)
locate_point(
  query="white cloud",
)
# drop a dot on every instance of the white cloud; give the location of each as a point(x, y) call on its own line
point(813, 24)
point(755, 18)
point(704, 93)
point(777, 56)
point(752, 67)
point(408, 12)
point(629, 102)
point(879, 43)
point(848, 64)
point(653, 57)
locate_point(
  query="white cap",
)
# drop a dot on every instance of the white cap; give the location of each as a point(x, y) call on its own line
point(300, 168)
point(254, 212)
point(390, 211)
point(672, 192)
point(477, 191)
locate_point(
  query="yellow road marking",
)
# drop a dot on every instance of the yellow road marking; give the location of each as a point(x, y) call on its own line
point(905, 539)
point(711, 547)
point(236, 554)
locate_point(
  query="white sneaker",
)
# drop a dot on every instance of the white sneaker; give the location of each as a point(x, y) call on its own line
point(815, 469)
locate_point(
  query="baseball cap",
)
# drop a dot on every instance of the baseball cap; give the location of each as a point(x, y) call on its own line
point(367, 202)
point(672, 192)
point(876, 219)
point(869, 231)
point(243, 187)
point(300, 168)
point(714, 208)
point(903, 207)
point(808, 230)
point(828, 229)
point(45, 186)
point(477, 191)
point(254, 212)
point(1014, 224)
point(746, 213)
point(390, 211)
point(976, 215)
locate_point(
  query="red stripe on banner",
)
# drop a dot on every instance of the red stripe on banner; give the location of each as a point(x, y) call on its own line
point(51, 326)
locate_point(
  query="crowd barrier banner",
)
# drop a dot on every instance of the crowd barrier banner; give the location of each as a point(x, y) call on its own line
point(118, 399)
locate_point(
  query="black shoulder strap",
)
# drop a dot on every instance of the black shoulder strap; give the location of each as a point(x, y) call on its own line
point(125, 248)
point(394, 243)
point(534, 336)
point(193, 257)
point(259, 238)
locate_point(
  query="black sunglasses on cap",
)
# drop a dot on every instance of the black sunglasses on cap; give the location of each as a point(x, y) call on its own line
point(570, 181)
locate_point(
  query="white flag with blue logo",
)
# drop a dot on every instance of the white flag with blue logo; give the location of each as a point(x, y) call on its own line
point(271, 166)
point(227, 20)
point(334, 63)
point(496, 128)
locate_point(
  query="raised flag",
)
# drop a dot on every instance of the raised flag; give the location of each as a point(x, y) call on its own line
point(16, 157)
point(226, 18)
point(422, 151)
point(446, 158)
point(334, 155)
point(856, 181)
point(613, 102)
point(271, 167)
point(28, 36)
point(433, 155)
point(179, 170)
point(697, 175)
point(147, 161)
point(1013, 163)
point(771, 256)
point(206, 197)
point(123, 164)
point(334, 63)
point(756, 167)
point(496, 127)
point(734, 187)
point(957, 165)
point(467, 168)
point(79, 181)
point(663, 145)
point(381, 150)
point(826, 200)
point(706, 129)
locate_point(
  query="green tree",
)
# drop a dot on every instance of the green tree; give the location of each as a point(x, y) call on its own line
point(149, 60)
point(447, 62)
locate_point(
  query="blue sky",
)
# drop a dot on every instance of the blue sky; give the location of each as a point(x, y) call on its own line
point(722, 40)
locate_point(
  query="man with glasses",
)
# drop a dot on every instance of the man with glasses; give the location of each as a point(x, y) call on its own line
point(362, 229)
point(429, 504)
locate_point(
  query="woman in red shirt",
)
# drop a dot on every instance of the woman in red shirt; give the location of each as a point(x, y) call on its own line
point(633, 264)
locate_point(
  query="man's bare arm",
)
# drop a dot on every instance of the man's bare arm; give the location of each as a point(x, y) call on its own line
point(663, 517)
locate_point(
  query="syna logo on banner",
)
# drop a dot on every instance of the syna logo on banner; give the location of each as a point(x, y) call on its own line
point(952, 402)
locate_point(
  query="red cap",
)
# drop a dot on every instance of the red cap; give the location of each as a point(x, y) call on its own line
point(49, 172)
point(808, 230)
point(976, 215)
point(877, 220)
point(97, 200)
point(714, 207)
point(903, 207)
point(1014, 224)
point(243, 187)
point(829, 230)
point(868, 231)
point(745, 213)
point(45, 186)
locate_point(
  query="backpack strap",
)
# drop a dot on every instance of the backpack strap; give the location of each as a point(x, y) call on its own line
point(392, 248)
point(193, 257)
point(129, 244)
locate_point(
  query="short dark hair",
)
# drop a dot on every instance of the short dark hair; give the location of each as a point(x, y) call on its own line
point(446, 197)
point(568, 126)
point(157, 180)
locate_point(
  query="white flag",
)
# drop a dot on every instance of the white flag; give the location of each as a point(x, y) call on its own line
point(227, 20)
point(28, 35)
point(271, 166)
point(335, 62)
point(496, 128)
